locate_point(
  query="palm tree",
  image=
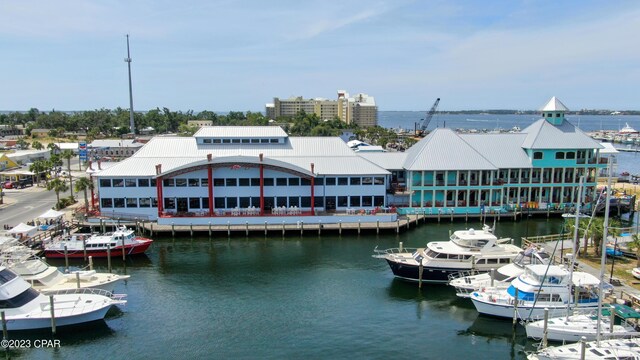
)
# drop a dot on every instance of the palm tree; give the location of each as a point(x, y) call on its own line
point(635, 243)
point(58, 186)
point(594, 230)
point(67, 155)
point(84, 184)
point(38, 167)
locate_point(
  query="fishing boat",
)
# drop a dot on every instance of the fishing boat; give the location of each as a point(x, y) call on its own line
point(465, 283)
point(540, 287)
point(27, 309)
point(613, 349)
point(466, 250)
point(98, 246)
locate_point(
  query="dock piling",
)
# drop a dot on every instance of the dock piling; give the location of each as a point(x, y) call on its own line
point(173, 230)
point(5, 333)
point(53, 315)
point(359, 226)
point(191, 229)
point(109, 257)
point(545, 328)
point(319, 227)
point(151, 228)
point(265, 228)
point(66, 259)
point(397, 226)
point(78, 279)
point(84, 249)
point(124, 250)
point(228, 229)
point(301, 227)
point(246, 226)
point(420, 271)
point(377, 226)
point(90, 262)
point(340, 227)
point(283, 228)
point(515, 308)
point(583, 347)
point(209, 229)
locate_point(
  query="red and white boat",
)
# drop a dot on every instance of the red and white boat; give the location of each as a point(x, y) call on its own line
point(98, 246)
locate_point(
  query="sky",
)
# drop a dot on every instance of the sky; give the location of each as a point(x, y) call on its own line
point(227, 55)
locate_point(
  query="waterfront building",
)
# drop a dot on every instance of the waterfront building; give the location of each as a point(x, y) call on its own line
point(538, 168)
point(243, 174)
point(114, 148)
point(359, 110)
point(200, 123)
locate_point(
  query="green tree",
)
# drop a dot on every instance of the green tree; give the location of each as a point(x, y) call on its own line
point(592, 229)
point(83, 184)
point(37, 145)
point(58, 186)
point(635, 244)
point(38, 167)
point(22, 143)
point(67, 155)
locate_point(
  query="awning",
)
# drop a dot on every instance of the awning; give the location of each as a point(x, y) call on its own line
point(51, 214)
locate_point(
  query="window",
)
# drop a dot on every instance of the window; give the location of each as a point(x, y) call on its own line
point(194, 203)
point(367, 181)
point(559, 155)
point(343, 181)
point(205, 203)
point(232, 202)
point(343, 201)
point(194, 182)
point(144, 202)
point(105, 182)
point(235, 141)
point(319, 181)
point(367, 201)
point(231, 182)
point(169, 203)
point(318, 201)
point(143, 182)
point(130, 182)
point(378, 181)
point(307, 182)
point(219, 203)
point(218, 182)
point(330, 181)
point(181, 182)
point(206, 141)
point(154, 202)
point(571, 155)
point(294, 201)
point(217, 141)
point(226, 141)
point(281, 201)
point(245, 141)
point(281, 181)
point(537, 155)
point(305, 201)
point(274, 141)
point(118, 202)
point(255, 181)
point(378, 201)
point(255, 141)
point(204, 182)
point(118, 182)
point(294, 181)
point(106, 203)
point(268, 181)
point(354, 201)
point(355, 181)
point(132, 202)
point(154, 182)
point(244, 182)
point(245, 201)
point(169, 182)
point(255, 201)
point(264, 141)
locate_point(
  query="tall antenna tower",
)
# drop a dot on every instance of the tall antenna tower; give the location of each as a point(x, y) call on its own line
point(132, 125)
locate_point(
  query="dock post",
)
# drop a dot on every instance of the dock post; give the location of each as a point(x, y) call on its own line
point(228, 229)
point(84, 249)
point(319, 227)
point(400, 247)
point(246, 227)
point(78, 279)
point(191, 229)
point(545, 328)
point(420, 271)
point(173, 230)
point(359, 225)
point(5, 334)
point(340, 227)
point(515, 308)
point(408, 220)
point(515, 215)
point(151, 228)
point(439, 213)
point(397, 226)
point(301, 227)
point(265, 228)
point(124, 250)
point(209, 229)
point(90, 262)
point(66, 259)
point(612, 318)
point(53, 315)
point(283, 228)
point(109, 257)
point(466, 217)
point(452, 216)
point(583, 347)
point(493, 276)
point(377, 226)
point(548, 209)
point(102, 226)
point(499, 212)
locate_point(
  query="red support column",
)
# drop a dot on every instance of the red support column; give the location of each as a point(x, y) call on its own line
point(92, 199)
point(312, 191)
point(261, 187)
point(210, 176)
point(159, 190)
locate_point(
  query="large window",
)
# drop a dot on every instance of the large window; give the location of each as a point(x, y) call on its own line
point(118, 182)
point(268, 181)
point(537, 155)
point(355, 181)
point(169, 203)
point(219, 203)
point(144, 202)
point(205, 203)
point(305, 201)
point(130, 182)
point(194, 203)
point(143, 182)
point(330, 181)
point(232, 202)
point(181, 182)
point(194, 182)
point(281, 181)
point(244, 182)
point(354, 201)
point(378, 181)
point(367, 181)
point(343, 181)
point(559, 155)
point(132, 202)
point(218, 182)
point(204, 182)
point(105, 182)
point(307, 182)
point(106, 203)
point(118, 202)
point(231, 182)
point(343, 201)
point(169, 182)
point(294, 182)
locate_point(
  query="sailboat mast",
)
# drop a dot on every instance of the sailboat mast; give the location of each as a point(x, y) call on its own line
point(603, 247)
point(128, 61)
point(575, 243)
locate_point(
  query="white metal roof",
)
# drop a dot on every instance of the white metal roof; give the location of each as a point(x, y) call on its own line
point(114, 143)
point(608, 148)
point(67, 146)
point(554, 105)
point(241, 132)
point(386, 160)
point(443, 149)
point(544, 135)
point(503, 150)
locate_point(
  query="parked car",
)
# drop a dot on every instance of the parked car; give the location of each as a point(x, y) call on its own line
point(7, 185)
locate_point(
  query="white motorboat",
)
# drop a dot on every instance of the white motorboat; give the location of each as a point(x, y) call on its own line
point(98, 246)
point(636, 272)
point(466, 250)
point(466, 283)
point(613, 349)
point(627, 129)
point(574, 327)
point(27, 309)
point(539, 287)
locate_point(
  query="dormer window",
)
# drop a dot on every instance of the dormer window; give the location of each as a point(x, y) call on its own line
point(537, 155)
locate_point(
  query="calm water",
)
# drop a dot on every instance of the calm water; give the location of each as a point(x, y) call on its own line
point(295, 297)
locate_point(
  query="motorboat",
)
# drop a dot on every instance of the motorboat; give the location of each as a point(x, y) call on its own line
point(98, 246)
point(49, 280)
point(627, 129)
point(613, 349)
point(465, 282)
point(478, 250)
point(27, 309)
point(539, 287)
point(636, 272)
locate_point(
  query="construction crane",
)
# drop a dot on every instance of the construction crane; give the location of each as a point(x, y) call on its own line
point(421, 130)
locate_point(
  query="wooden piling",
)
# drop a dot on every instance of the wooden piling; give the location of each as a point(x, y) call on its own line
point(53, 315)
point(583, 347)
point(301, 227)
point(319, 227)
point(466, 216)
point(78, 279)
point(228, 229)
point(420, 272)
point(66, 259)
point(265, 228)
point(452, 216)
point(124, 251)
point(397, 226)
point(359, 226)
point(109, 257)
point(377, 226)
point(209, 229)
point(545, 328)
point(515, 308)
point(191, 229)
point(84, 248)
point(173, 230)
point(151, 228)
point(340, 227)
point(283, 228)
point(90, 262)
point(5, 333)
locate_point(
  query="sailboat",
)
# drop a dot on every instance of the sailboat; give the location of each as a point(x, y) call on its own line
point(585, 327)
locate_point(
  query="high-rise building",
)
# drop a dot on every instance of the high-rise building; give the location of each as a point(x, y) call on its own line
point(360, 110)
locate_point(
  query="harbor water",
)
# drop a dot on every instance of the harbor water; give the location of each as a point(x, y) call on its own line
point(318, 297)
